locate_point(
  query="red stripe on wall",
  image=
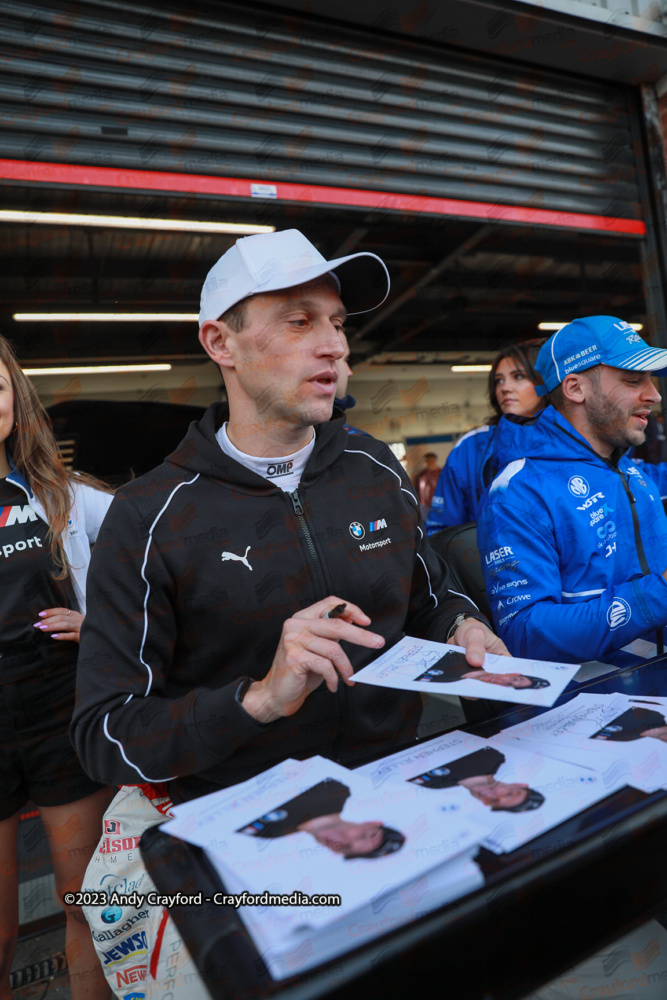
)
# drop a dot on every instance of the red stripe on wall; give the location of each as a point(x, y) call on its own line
point(149, 180)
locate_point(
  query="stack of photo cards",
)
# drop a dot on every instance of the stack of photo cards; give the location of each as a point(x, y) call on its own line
point(521, 794)
point(623, 738)
point(438, 668)
point(312, 827)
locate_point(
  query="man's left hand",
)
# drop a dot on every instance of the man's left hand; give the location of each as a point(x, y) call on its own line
point(477, 640)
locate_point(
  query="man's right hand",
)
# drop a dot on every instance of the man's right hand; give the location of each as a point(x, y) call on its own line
point(308, 653)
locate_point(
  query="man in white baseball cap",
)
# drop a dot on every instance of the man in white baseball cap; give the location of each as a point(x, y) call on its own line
point(277, 261)
point(229, 559)
point(268, 539)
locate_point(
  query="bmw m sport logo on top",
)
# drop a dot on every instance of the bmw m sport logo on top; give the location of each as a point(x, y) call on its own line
point(378, 525)
point(578, 486)
point(357, 530)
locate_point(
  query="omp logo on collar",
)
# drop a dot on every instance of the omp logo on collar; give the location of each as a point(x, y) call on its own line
point(377, 525)
point(279, 469)
point(16, 515)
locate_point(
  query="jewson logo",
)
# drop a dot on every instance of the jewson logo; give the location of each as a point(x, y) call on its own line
point(378, 525)
point(619, 613)
point(578, 486)
point(357, 530)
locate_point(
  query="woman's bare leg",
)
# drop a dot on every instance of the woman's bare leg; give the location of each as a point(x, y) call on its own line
point(9, 901)
point(74, 831)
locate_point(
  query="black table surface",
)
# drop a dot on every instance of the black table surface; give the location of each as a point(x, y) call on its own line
point(542, 909)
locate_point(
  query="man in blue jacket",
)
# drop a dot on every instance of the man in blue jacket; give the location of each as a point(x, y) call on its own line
point(572, 533)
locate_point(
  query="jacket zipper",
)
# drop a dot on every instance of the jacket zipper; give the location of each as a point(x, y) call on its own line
point(639, 545)
point(341, 693)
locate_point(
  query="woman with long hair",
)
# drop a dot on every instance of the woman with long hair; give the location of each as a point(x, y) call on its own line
point(48, 519)
point(469, 466)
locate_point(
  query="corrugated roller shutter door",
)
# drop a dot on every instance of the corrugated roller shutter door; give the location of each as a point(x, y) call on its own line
point(251, 94)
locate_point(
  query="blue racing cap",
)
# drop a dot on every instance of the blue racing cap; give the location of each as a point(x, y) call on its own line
point(595, 340)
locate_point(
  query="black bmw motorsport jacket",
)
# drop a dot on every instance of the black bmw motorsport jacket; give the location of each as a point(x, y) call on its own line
point(197, 566)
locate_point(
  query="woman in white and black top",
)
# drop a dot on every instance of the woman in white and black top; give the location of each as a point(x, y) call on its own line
point(48, 520)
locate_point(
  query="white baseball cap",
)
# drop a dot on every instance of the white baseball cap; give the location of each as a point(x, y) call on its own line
point(272, 261)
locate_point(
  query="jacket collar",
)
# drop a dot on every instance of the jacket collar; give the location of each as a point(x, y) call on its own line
point(200, 452)
point(17, 478)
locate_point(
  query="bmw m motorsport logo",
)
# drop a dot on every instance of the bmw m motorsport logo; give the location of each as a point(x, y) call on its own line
point(619, 613)
point(578, 486)
point(357, 530)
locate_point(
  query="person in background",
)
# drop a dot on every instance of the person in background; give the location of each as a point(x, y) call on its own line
point(572, 532)
point(426, 481)
point(470, 468)
point(48, 519)
point(343, 400)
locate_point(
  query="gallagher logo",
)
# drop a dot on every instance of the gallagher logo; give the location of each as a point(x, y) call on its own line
point(578, 486)
point(357, 530)
point(377, 525)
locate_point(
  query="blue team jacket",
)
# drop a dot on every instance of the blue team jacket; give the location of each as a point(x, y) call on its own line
point(573, 549)
point(461, 482)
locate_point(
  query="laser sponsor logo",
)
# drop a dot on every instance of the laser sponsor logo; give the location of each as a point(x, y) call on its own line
point(134, 945)
point(497, 555)
point(619, 613)
point(378, 525)
point(16, 515)
point(578, 486)
point(357, 530)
